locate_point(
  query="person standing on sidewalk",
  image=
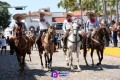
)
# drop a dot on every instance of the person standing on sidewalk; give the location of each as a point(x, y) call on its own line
point(4, 44)
point(114, 33)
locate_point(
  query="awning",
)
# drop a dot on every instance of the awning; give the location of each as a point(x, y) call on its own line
point(58, 19)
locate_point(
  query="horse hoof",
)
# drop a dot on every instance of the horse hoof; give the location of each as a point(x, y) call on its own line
point(42, 67)
point(98, 64)
point(87, 65)
point(67, 64)
point(93, 65)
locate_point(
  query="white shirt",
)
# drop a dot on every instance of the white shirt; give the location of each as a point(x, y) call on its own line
point(91, 25)
point(67, 25)
point(3, 42)
point(43, 25)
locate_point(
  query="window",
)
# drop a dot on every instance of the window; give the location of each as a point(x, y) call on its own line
point(59, 26)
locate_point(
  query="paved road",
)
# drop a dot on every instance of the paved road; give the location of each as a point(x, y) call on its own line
point(9, 68)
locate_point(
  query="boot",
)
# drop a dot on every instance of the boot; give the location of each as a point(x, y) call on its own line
point(65, 43)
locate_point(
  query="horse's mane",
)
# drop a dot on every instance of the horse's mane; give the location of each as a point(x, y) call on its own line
point(99, 31)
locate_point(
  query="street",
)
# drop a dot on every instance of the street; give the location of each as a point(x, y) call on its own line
point(9, 68)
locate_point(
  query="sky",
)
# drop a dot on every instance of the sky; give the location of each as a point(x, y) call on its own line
point(33, 5)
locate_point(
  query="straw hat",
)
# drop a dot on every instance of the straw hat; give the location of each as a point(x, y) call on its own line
point(42, 12)
point(89, 13)
point(18, 15)
point(69, 13)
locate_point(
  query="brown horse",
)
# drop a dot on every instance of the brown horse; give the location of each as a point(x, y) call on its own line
point(20, 44)
point(32, 40)
point(48, 46)
point(97, 42)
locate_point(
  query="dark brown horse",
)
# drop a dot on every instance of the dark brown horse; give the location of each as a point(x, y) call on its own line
point(19, 44)
point(97, 42)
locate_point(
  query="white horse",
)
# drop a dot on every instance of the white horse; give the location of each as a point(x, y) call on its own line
point(74, 43)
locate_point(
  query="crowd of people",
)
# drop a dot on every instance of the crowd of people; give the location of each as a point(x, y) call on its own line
point(92, 25)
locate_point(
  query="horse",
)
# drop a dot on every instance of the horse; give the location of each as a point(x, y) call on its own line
point(97, 42)
point(48, 44)
point(19, 44)
point(32, 40)
point(47, 40)
point(74, 41)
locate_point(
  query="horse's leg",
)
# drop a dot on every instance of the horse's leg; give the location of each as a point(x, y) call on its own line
point(70, 58)
point(51, 54)
point(77, 54)
point(101, 51)
point(45, 60)
point(23, 62)
point(40, 54)
point(98, 57)
point(66, 57)
point(85, 53)
point(92, 50)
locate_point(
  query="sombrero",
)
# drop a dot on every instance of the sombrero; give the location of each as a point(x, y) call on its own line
point(18, 15)
point(89, 13)
point(69, 13)
point(42, 12)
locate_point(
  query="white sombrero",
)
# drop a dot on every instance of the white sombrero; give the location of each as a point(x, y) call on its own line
point(18, 15)
point(42, 12)
point(69, 13)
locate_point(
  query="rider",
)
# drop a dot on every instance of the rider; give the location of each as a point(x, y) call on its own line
point(92, 25)
point(18, 18)
point(67, 25)
point(43, 24)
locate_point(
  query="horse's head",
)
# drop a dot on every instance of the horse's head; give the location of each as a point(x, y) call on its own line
point(51, 34)
point(18, 32)
point(75, 28)
point(104, 32)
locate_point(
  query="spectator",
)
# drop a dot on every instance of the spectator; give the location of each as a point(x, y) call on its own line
point(56, 38)
point(114, 35)
point(4, 45)
point(59, 40)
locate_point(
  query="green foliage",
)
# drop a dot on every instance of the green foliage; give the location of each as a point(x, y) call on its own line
point(4, 15)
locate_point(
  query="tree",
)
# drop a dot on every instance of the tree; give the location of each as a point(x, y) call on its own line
point(69, 5)
point(111, 5)
point(4, 15)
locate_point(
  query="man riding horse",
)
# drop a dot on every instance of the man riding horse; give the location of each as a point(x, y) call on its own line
point(18, 18)
point(43, 24)
point(92, 25)
point(67, 25)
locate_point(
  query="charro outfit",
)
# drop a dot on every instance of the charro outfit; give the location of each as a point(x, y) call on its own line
point(67, 25)
point(92, 24)
point(43, 25)
point(24, 29)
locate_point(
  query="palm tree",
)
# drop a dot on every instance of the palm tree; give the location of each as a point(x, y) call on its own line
point(111, 5)
point(67, 4)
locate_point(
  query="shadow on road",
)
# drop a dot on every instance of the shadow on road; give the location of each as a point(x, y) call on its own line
point(84, 67)
point(9, 70)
